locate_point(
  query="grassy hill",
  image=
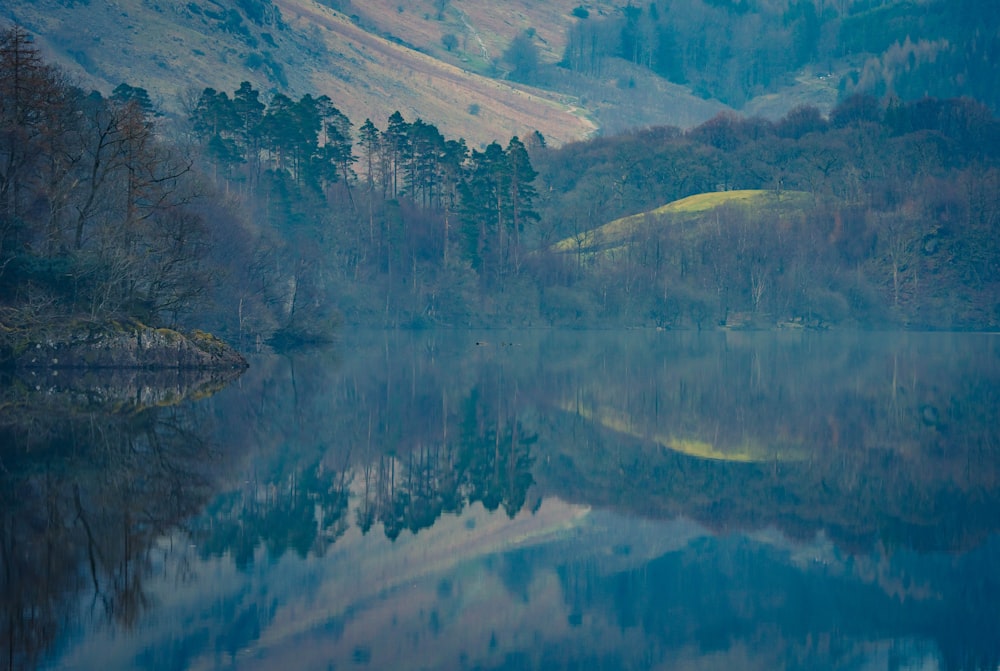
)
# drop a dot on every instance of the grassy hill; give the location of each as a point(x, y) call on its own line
point(611, 236)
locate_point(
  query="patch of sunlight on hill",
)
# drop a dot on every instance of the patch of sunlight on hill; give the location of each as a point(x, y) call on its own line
point(707, 201)
point(685, 209)
point(749, 451)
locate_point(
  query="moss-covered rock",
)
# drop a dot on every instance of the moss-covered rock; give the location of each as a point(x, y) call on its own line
point(121, 344)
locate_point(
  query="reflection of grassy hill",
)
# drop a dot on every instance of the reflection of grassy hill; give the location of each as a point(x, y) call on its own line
point(894, 431)
point(746, 451)
point(857, 498)
point(690, 209)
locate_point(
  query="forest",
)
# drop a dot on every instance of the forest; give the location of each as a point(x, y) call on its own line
point(737, 50)
point(271, 220)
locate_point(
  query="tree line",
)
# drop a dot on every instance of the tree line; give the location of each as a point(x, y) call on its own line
point(269, 218)
point(485, 197)
point(249, 213)
point(98, 216)
point(899, 226)
point(401, 212)
point(736, 51)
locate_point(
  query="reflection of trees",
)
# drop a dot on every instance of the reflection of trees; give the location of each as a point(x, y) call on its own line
point(441, 430)
point(496, 460)
point(305, 512)
point(891, 441)
point(872, 437)
point(488, 464)
point(85, 504)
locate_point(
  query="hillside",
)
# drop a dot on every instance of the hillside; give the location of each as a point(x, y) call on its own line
point(566, 69)
point(615, 234)
point(886, 213)
point(294, 46)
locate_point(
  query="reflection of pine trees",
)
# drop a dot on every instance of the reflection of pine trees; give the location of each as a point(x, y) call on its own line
point(411, 492)
point(305, 512)
point(498, 462)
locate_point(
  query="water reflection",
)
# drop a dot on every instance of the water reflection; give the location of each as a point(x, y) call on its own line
point(538, 500)
point(95, 471)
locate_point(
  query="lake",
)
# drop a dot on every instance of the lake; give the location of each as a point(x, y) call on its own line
point(514, 500)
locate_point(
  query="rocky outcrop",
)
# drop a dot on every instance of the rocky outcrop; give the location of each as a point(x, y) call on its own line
point(127, 344)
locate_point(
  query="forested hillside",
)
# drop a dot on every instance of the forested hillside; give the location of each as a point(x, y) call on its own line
point(739, 50)
point(565, 68)
point(271, 218)
point(899, 227)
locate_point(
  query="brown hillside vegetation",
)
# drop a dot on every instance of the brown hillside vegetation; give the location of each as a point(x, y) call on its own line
point(176, 50)
point(482, 29)
point(437, 91)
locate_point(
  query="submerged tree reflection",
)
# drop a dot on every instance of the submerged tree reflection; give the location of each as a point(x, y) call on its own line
point(491, 466)
point(424, 444)
point(86, 503)
point(305, 512)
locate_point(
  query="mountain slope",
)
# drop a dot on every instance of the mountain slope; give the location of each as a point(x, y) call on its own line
point(466, 65)
point(292, 46)
point(463, 103)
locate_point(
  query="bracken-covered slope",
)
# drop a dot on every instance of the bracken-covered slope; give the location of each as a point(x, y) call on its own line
point(486, 71)
point(175, 49)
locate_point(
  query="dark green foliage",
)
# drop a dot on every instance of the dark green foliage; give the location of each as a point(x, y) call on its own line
point(286, 520)
point(734, 51)
point(124, 94)
point(496, 202)
point(521, 57)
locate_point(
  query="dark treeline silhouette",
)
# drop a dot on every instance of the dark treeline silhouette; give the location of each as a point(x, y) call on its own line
point(271, 220)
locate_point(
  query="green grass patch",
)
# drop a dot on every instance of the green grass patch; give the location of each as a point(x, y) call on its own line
point(616, 232)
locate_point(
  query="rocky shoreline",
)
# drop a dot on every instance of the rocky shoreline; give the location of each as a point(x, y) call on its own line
point(116, 345)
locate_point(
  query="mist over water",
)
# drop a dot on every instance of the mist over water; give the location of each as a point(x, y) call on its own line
point(522, 499)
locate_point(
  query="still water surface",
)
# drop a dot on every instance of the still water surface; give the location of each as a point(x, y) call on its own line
point(517, 500)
